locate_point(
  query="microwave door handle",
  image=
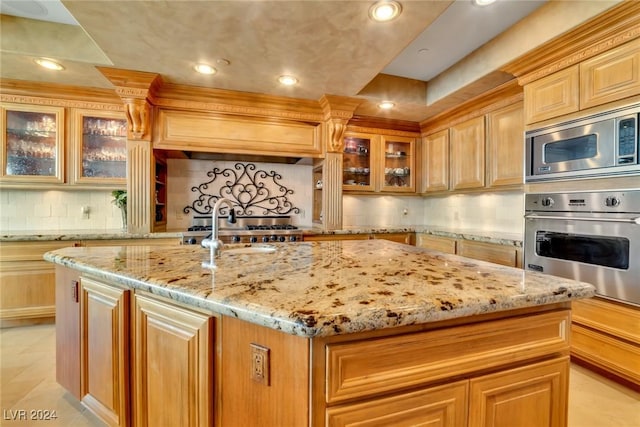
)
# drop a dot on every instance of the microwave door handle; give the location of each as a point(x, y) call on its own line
point(580, 218)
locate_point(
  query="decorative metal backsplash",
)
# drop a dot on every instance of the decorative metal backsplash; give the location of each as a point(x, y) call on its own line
point(247, 189)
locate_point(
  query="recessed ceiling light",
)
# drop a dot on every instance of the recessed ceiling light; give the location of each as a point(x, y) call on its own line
point(205, 69)
point(49, 64)
point(386, 105)
point(385, 10)
point(483, 2)
point(287, 80)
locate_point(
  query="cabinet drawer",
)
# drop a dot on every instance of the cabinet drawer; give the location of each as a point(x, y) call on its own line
point(613, 355)
point(498, 254)
point(619, 320)
point(442, 244)
point(362, 368)
point(30, 251)
point(444, 405)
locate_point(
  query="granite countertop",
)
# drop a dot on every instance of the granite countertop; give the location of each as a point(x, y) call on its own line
point(29, 235)
point(488, 236)
point(325, 288)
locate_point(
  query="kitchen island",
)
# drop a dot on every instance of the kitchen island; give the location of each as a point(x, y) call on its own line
point(319, 333)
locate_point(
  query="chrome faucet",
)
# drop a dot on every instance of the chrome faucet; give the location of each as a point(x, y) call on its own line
point(214, 243)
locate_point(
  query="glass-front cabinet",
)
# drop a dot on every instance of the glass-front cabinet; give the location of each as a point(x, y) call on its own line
point(399, 164)
point(357, 162)
point(100, 147)
point(378, 163)
point(32, 143)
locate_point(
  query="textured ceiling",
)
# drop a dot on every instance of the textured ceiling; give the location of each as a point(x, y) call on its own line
point(331, 46)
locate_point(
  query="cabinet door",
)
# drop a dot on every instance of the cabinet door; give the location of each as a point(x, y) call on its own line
point(467, 154)
point(99, 151)
point(173, 365)
point(552, 96)
point(32, 144)
point(436, 162)
point(105, 351)
point(358, 162)
point(398, 167)
point(532, 396)
point(505, 146)
point(611, 76)
point(68, 329)
point(437, 406)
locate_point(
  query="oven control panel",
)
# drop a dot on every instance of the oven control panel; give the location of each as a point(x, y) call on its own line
point(597, 201)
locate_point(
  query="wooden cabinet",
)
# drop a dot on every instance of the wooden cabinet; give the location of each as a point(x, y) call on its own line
point(104, 326)
point(608, 77)
point(505, 146)
point(68, 329)
point(438, 406)
point(467, 161)
point(611, 76)
point(173, 365)
point(437, 243)
point(32, 144)
point(27, 282)
point(606, 335)
point(531, 396)
point(406, 238)
point(378, 163)
point(552, 96)
point(435, 161)
point(491, 252)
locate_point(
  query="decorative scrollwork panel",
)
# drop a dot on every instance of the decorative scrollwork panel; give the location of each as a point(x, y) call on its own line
point(252, 191)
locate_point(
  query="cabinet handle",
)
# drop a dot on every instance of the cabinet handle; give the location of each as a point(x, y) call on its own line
point(74, 291)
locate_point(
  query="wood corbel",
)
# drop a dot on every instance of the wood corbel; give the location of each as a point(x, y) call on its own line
point(136, 89)
point(337, 111)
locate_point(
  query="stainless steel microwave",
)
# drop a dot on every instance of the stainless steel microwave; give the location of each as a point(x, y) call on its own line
point(602, 144)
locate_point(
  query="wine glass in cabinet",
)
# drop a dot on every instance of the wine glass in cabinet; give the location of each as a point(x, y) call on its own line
point(32, 144)
point(398, 166)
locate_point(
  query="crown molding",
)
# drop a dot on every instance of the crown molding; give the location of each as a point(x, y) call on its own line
point(610, 29)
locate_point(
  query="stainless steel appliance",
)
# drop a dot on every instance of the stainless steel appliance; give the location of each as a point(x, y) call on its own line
point(247, 229)
point(605, 143)
point(593, 237)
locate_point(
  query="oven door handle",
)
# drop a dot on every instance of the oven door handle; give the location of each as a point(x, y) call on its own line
point(581, 218)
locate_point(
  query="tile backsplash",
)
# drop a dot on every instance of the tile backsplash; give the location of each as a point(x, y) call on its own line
point(53, 211)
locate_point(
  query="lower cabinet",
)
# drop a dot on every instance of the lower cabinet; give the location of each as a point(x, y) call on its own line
point(104, 354)
point(606, 335)
point(172, 365)
point(492, 252)
point(27, 282)
point(438, 406)
point(406, 238)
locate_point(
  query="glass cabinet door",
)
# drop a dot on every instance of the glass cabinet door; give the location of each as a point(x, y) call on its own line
point(356, 164)
point(100, 148)
point(32, 144)
point(399, 173)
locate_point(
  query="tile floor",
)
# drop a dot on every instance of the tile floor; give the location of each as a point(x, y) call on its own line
point(27, 362)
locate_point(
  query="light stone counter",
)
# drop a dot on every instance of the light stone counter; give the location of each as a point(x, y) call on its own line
point(325, 288)
point(33, 236)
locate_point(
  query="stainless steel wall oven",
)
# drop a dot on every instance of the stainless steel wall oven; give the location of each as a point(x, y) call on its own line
point(593, 237)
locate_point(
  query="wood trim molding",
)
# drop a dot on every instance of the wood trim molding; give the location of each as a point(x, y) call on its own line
point(381, 131)
point(506, 94)
point(27, 312)
point(384, 123)
point(613, 28)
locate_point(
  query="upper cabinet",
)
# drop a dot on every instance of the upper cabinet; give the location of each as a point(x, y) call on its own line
point(476, 153)
point(467, 141)
point(37, 152)
point(378, 163)
point(32, 144)
point(99, 150)
point(611, 76)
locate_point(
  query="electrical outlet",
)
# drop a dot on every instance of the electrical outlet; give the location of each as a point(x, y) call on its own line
point(260, 364)
point(405, 211)
point(85, 210)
